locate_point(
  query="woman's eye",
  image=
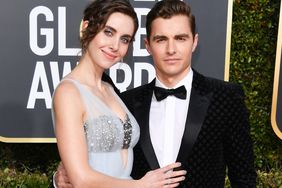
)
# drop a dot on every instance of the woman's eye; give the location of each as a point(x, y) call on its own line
point(108, 32)
point(125, 41)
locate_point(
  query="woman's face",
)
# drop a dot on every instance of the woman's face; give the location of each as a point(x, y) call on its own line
point(111, 43)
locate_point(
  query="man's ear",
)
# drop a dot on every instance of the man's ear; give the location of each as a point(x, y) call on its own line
point(147, 44)
point(195, 42)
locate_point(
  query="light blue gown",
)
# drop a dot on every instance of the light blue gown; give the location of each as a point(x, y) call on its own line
point(106, 134)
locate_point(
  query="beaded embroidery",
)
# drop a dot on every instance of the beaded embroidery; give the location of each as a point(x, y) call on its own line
point(105, 136)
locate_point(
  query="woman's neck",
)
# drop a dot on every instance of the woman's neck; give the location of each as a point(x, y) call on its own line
point(89, 74)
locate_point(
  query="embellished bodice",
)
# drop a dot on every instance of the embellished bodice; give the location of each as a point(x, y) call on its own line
point(107, 135)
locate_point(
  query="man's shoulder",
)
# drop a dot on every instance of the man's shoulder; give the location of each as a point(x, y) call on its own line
point(210, 84)
point(131, 96)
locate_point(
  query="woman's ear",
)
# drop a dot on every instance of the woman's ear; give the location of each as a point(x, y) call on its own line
point(83, 26)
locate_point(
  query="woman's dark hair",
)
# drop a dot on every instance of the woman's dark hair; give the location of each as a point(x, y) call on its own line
point(167, 9)
point(97, 14)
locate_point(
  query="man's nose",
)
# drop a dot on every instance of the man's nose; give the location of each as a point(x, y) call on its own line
point(171, 49)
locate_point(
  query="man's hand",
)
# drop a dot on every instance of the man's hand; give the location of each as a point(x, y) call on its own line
point(61, 178)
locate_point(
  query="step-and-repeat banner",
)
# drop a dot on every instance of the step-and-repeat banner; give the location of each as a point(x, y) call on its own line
point(276, 113)
point(40, 44)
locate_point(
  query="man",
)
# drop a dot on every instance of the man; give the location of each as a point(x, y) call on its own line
point(209, 129)
point(206, 129)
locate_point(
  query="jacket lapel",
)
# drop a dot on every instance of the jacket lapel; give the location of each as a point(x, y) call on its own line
point(197, 111)
point(142, 113)
point(199, 103)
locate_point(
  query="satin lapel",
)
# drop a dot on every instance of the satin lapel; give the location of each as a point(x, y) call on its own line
point(142, 113)
point(196, 115)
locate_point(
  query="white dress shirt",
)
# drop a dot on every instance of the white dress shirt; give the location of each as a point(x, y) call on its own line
point(167, 122)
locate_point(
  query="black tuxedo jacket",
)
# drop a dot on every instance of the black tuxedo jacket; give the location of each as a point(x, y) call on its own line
point(216, 135)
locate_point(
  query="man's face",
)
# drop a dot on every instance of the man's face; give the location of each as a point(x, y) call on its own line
point(171, 45)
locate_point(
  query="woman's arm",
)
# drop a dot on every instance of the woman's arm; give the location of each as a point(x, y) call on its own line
point(69, 112)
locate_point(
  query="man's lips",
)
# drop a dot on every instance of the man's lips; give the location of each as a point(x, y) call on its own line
point(171, 60)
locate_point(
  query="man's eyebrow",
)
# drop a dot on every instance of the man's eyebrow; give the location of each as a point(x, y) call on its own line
point(156, 37)
point(182, 35)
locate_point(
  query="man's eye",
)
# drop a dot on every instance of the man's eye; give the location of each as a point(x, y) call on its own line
point(181, 38)
point(160, 40)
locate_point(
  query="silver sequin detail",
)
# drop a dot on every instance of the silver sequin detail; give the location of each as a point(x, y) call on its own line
point(108, 133)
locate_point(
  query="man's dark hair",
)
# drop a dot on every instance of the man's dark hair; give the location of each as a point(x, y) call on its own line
point(167, 9)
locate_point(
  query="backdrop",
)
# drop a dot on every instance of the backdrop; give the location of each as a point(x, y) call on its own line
point(40, 44)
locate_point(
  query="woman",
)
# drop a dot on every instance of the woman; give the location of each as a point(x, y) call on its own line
point(94, 129)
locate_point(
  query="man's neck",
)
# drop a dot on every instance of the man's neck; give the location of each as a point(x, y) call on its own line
point(171, 82)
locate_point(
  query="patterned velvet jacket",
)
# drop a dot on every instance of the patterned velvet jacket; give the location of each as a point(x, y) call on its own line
point(216, 135)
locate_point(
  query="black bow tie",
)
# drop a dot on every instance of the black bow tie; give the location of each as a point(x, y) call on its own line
point(162, 93)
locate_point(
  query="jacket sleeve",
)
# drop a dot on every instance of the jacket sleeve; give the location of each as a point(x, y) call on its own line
point(238, 148)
